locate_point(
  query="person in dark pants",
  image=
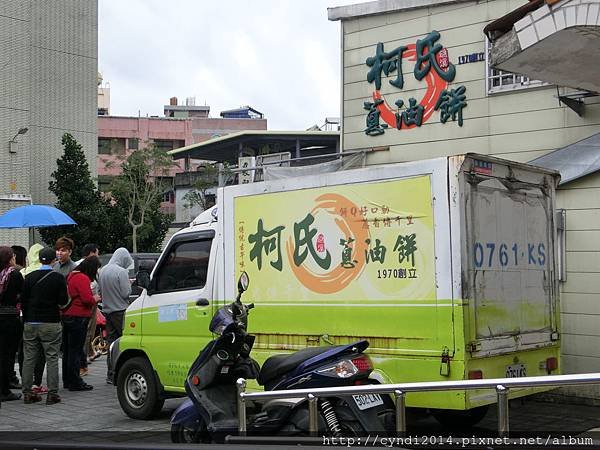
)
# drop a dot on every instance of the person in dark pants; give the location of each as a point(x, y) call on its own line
point(114, 290)
point(44, 295)
point(33, 263)
point(75, 321)
point(89, 250)
point(20, 264)
point(11, 283)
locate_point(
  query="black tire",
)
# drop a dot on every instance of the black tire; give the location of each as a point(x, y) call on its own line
point(182, 435)
point(137, 389)
point(460, 419)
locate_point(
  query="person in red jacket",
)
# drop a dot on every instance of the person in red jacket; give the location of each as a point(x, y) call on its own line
point(75, 319)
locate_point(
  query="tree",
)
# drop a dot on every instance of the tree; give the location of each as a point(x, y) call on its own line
point(207, 180)
point(78, 196)
point(149, 236)
point(139, 188)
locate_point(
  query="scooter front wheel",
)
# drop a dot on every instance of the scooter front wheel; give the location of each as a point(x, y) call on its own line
point(180, 434)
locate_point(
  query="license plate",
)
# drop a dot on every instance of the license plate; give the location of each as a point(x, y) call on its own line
point(366, 401)
point(516, 371)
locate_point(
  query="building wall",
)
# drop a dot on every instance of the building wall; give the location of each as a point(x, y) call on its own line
point(145, 129)
point(48, 77)
point(15, 25)
point(64, 73)
point(189, 130)
point(104, 100)
point(520, 125)
point(580, 292)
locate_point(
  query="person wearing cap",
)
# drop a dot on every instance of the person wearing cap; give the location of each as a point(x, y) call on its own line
point(44, 295)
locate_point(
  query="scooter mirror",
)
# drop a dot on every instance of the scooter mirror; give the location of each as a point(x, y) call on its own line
point(243, 282)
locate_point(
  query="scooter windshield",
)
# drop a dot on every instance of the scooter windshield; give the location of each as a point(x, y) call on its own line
point(221, 320)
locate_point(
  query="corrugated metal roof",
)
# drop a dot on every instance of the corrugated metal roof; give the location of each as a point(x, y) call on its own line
point(573, 161)
point(227, 148)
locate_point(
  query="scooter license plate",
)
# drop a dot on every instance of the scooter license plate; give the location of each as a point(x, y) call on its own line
point(366, 401)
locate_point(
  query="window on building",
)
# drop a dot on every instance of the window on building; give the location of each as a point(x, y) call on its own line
point(103, 146)
point(169, 144)
point(133, 143)
point(104, 182)
point(111, 146)
point(499, 81)
point(169, 197)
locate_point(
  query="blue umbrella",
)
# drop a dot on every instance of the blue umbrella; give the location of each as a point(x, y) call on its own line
point(34, 216)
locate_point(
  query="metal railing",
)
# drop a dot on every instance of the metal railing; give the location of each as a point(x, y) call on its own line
point(501, 385)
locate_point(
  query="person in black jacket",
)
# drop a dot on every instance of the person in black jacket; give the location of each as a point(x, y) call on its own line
point(21, 262)
point(11, 283)
point(44, 295)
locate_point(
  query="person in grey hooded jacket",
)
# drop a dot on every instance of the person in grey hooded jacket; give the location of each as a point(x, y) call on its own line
point(114, 288)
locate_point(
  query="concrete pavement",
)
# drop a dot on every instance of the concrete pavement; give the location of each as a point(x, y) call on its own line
point(95, 414)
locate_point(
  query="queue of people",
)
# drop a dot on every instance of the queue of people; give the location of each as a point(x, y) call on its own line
point(48, 307)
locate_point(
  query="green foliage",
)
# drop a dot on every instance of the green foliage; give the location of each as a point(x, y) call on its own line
point(136, 195)
point(208, 178)
point(149, 236)
point(105, 221)
point(77, 196)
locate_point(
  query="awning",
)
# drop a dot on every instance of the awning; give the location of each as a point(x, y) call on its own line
point(573, 161)
point(555, 42)
point(252, 142)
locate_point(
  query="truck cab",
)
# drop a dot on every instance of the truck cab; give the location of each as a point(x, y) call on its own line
point(167, 325)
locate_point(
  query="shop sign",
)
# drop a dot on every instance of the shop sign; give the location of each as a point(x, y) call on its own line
point(431, 65)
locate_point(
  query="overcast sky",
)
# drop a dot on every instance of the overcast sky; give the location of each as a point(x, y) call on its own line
point(282, 57)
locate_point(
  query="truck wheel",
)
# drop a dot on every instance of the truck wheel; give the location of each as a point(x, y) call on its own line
point(137, 389)
point(460, 419)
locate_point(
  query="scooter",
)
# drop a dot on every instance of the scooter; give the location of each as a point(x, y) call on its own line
point(209, 414)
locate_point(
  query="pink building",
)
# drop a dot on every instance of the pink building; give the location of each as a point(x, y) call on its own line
point(183, 125)
point(118, 136)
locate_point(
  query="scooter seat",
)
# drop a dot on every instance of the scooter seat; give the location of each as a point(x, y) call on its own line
point(277, 365)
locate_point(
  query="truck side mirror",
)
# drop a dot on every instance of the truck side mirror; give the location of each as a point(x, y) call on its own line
point(142, 279)
point(243, 282)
